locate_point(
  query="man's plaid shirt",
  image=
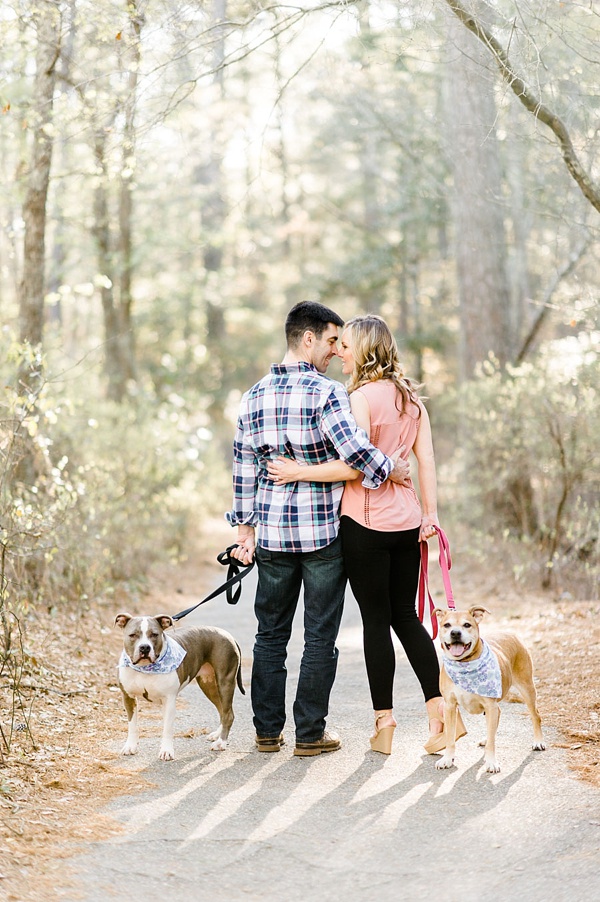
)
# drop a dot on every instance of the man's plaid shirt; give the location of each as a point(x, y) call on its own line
point(297, 412)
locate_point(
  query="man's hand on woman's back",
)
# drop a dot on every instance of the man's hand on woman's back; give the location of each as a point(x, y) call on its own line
point(401, 472)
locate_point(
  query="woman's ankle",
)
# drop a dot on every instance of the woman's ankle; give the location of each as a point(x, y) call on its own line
point(435, 713)
point(384, 718)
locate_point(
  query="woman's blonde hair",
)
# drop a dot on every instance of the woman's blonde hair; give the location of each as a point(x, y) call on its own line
point(376, 357)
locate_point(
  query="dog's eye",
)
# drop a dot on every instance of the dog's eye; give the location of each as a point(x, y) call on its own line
point(467, 625)
point(446, 626)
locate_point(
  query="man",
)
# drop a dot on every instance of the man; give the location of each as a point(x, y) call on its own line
point(298, 412)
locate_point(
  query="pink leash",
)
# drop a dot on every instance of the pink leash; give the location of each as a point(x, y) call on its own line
point(445, 566)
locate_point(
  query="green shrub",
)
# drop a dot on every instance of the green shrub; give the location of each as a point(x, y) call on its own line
point(526, 468)
point(91, 495)
point(110, 490)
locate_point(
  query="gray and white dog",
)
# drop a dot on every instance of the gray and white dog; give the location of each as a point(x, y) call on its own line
point(157, 666)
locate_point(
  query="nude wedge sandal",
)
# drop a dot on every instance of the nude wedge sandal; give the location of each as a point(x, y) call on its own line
point(437, 743)
point(383, 738)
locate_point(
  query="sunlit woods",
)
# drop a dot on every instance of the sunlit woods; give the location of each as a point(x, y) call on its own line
point(209, 164)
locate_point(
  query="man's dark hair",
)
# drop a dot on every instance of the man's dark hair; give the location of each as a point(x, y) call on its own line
point(308, 315)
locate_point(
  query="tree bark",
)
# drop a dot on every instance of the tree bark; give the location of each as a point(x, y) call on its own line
point(127, 334)
point(518, 263)
point(58, 255)
point(478, 206)
point(214, 211)
point(31, 291)
point(114, 369)
point(281, 152)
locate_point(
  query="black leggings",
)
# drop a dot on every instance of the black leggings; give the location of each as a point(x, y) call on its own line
point(383, 569)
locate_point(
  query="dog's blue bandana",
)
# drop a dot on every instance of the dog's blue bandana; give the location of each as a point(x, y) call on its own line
point(169, 660)
point(481, 676)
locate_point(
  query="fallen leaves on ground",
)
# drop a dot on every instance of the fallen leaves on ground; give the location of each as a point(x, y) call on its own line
point(58, 776)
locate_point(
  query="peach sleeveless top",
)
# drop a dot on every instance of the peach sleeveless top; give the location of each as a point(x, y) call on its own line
point(391, 507)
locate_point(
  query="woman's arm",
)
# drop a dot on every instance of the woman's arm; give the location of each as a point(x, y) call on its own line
point(361, 411)
point(423, 451)
point(283, 470)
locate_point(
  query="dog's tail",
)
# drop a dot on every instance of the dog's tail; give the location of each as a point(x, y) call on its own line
point(239, 672)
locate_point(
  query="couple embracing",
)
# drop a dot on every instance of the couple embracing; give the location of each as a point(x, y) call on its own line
point(322, 494)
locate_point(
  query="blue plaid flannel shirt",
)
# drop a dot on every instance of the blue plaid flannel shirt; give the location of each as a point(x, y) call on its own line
point(297, 412)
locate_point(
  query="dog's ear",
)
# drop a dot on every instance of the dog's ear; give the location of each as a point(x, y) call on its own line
point(477, 612)
point(122, 620)
point(164, 621)
point(439, 613)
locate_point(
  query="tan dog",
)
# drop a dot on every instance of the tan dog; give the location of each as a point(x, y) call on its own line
point(467, 658)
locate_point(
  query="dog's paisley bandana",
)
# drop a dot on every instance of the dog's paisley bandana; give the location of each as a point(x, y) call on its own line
point(481, 676)
point(170, 658)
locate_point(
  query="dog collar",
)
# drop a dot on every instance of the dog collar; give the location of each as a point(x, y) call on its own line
point(169, 659)
point(481, 676)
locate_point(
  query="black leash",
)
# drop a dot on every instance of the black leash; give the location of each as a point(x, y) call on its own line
point(233, 576)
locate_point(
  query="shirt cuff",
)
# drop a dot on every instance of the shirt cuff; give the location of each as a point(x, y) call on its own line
point(235, 519)
point(369, 482)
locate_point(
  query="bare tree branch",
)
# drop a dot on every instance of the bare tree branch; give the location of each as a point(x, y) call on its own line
point(562, 273)
point(589, 188)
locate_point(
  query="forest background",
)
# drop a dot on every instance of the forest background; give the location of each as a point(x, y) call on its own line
point(176, 175)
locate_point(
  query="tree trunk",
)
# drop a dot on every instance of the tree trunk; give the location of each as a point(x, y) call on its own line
point(483, 288)
point(58, 256)
point(481, 255)
point(127, 334)
point(114, 369)
point(518, 267)
point(214, 211)
point(369, 294)
point(281, 152)
point(31, 294)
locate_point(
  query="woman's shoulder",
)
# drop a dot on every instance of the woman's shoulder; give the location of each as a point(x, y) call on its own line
point(378, 387)
point(385, 391)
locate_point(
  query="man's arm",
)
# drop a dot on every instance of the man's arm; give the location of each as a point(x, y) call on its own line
point(352, 444)
point(245, 481)
point(401, 472)
point(284, 470)
point(362, 414)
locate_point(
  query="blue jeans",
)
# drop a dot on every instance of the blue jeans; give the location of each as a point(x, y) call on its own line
point(280, 577)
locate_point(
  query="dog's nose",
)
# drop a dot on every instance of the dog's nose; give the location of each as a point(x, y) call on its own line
point(144, 650)
point(455, 634)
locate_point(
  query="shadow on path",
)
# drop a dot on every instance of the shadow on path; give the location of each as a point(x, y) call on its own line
point(352, 825)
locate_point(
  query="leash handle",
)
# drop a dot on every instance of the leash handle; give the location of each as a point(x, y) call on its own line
point(233, 574)
point(445, 561)
point(234, 577)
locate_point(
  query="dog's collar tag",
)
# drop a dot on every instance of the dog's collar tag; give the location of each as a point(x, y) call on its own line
point(481, 676)
point(170, 658)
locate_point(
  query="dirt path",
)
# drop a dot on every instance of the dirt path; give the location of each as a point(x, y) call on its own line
point(90, 825)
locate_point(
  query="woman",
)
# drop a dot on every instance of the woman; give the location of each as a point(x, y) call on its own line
point(381, 528)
